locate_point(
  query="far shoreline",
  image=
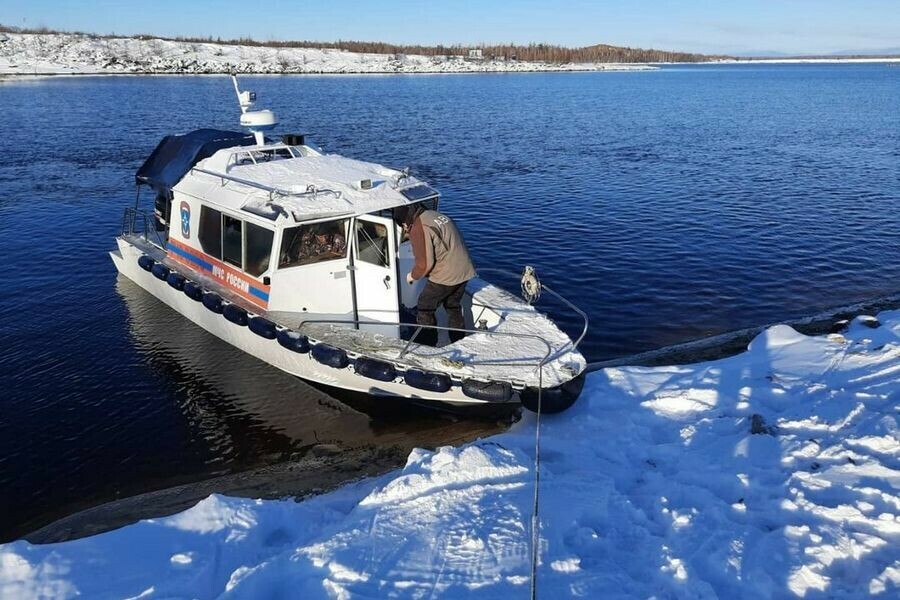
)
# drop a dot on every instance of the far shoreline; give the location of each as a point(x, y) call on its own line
point(9, 75)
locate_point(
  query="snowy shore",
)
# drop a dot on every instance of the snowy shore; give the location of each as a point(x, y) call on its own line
point(69, 54)
point(773, 473)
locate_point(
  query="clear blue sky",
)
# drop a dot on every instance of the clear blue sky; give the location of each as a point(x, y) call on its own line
point(730, 26)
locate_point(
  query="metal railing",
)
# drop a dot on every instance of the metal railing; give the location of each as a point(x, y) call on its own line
point(555, 294)
point(136, 222)
point(547, 357)
point(311, 191)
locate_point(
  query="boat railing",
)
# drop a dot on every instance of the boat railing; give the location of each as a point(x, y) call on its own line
point(311, 191)
point(546, 358)
point(544, 288)
point(138, 223)
point(552, 354)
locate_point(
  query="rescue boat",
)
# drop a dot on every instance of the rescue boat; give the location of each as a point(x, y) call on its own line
point(293, 256)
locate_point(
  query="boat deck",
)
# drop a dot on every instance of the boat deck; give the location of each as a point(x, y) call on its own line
point(511, 351)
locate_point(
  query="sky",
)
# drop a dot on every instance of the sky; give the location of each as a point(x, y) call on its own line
point(710, 26)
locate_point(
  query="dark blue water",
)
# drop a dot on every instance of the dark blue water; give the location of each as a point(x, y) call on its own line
point(670, 205)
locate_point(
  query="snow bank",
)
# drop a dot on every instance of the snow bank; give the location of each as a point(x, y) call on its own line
point(653, 486)
point(49, 54)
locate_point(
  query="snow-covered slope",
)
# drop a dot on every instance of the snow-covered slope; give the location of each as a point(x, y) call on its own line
point(48, 54)
point(774, 473)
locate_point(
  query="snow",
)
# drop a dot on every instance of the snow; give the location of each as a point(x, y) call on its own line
point(325, 172)
point(49, 54)
point(652, 486)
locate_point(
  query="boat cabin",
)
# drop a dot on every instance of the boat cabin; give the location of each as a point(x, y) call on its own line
point(287, 228)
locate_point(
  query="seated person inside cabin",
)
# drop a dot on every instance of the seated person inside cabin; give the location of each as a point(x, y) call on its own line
point(310, 244)
point(440, 255)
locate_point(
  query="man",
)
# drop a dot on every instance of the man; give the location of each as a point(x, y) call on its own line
point(441, 256)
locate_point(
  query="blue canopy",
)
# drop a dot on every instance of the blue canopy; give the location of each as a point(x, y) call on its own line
point(177, 154)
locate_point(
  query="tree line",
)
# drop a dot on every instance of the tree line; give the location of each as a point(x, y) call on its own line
point(599, 53)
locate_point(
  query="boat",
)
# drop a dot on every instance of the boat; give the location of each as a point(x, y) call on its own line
point(292, 255)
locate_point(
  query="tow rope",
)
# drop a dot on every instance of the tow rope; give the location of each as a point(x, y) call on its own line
point(535, 520)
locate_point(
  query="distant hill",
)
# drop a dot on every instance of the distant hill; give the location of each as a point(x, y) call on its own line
point(534, 52)
point(880, 53)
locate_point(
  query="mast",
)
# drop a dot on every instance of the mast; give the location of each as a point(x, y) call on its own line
point(256, 121)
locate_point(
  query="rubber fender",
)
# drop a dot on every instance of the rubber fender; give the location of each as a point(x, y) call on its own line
point(330, 356)
point(424, 380)
point(553, 400)
point(193, 291)
point(145, 262)
point(213, 302)
point(263, 327)
point(293, 341)
point(160, 271)
point(375, 369)
point(176, 280)
point(235, 314)
point(491, 391)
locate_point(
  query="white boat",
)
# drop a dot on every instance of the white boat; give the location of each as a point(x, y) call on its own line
point(292, 255)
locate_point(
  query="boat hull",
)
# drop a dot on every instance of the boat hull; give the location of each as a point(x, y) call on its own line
point(301, 365)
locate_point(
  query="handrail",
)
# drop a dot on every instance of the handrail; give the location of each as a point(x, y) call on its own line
point(272, 190)
point(130, 217)
point(540, 365)
point(557, 295)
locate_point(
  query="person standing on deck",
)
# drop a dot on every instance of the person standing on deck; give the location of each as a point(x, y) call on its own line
point(440, 255)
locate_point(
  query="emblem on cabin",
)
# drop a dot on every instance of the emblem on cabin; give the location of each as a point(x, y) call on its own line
point(186, 220)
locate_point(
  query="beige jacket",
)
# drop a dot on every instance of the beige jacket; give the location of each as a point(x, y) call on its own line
point(440, 250)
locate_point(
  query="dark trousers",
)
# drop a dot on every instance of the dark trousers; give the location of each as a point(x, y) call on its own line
point(432, 296)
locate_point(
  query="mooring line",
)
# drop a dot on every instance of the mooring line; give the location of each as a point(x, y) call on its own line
point(535, 521)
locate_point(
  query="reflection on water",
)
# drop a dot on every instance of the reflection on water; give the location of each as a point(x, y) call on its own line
point(239, 413)
point(244, 409)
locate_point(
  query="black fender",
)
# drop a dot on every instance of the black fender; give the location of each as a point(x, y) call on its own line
point(160, 271)
point(425, 380)
point(235, 314)
point(330, 356)
point(193, 291)
point(213, 302)
point(491, 391)
point(553, 400)
point(145, 262)
point(293, 341)
point(263, 327)
point(176, 280)
point(375, 369)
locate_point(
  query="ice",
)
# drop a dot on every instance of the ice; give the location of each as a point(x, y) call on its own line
point(653, 486)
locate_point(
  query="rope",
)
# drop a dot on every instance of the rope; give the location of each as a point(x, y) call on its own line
point(535, 522)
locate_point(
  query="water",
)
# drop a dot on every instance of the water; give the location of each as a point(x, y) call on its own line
point(670, 205)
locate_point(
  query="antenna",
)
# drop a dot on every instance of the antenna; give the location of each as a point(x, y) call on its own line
point(257, 121)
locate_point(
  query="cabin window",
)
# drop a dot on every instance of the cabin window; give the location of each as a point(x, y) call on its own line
point(210, 234)
point(309, 244)
point(232, 241)
point(429, 204)
point(258, 249)
point(372, 243)
point(253, 157)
